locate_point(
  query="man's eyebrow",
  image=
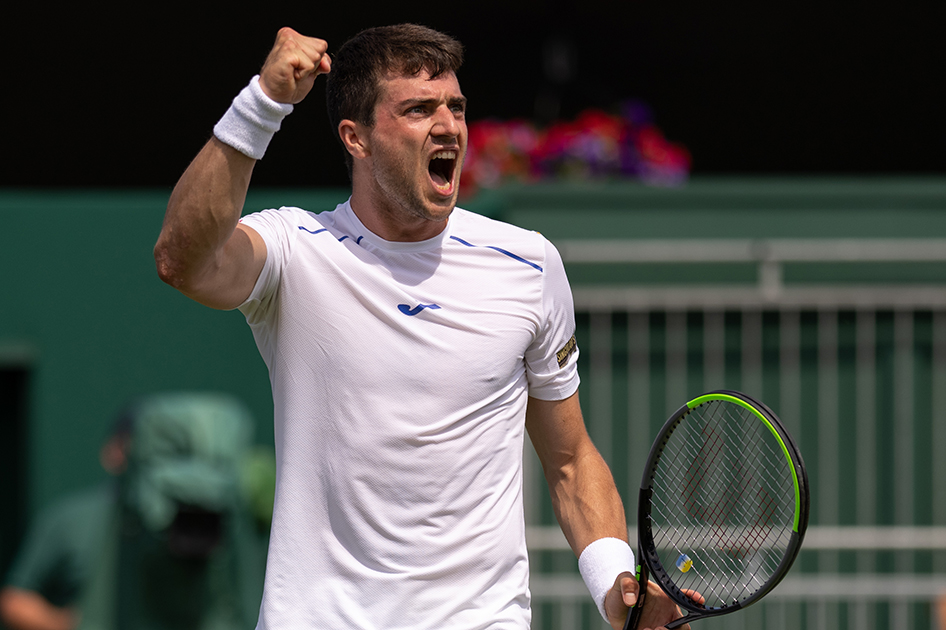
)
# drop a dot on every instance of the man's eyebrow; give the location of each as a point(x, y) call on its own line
point(413, 102)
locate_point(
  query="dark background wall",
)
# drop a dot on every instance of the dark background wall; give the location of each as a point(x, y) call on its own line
point(110, 94)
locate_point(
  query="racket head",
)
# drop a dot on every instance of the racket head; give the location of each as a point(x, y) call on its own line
point(723, 505)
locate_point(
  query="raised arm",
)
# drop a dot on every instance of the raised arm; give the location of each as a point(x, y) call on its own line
point(202, 250)
point(589, 510)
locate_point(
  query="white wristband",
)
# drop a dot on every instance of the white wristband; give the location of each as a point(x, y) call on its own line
point(600, 564)
point(252, 121)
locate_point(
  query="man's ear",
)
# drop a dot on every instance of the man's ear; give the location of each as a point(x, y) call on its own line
point(355, 138)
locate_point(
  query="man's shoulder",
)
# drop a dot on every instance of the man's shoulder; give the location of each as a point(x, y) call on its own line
point(286, 213)
point(91, 504)
point(475, 230)
point(289, 219)
point(72, 519)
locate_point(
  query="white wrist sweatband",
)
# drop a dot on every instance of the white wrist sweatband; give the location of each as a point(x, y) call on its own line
point(600, 564)
point(252, 121)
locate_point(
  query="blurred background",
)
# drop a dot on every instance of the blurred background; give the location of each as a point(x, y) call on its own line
point(745, 196)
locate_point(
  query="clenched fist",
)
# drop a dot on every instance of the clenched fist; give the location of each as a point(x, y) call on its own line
point(292, 66)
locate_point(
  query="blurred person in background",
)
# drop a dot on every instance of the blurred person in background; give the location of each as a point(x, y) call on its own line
point(46, 580)
point(172, 542)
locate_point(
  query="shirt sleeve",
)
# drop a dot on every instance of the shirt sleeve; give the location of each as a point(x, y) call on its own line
point(273, 226)
point(552, 358)
point(63, 545)
point(39, 555)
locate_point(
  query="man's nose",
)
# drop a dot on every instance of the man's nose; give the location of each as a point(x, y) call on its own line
point(446, 123)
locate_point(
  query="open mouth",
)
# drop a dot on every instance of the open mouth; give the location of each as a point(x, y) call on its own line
point(442, 167)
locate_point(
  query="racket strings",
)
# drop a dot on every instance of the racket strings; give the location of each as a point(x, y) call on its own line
point(722, 496)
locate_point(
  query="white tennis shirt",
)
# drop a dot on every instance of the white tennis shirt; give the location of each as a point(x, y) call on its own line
point(400, 376)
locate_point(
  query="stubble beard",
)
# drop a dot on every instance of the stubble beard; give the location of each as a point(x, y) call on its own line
point(403, 192)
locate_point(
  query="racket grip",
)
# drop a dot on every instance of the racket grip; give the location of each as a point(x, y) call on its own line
point(634, 615)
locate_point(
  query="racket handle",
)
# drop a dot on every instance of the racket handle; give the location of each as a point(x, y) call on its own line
point(634, 615)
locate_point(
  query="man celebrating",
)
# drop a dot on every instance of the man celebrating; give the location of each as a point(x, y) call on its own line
point(410, 345)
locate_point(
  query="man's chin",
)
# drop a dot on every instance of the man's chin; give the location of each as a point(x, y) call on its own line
point(441, 206)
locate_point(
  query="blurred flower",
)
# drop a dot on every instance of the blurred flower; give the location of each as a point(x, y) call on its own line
point(596, 145)
point(497, 151)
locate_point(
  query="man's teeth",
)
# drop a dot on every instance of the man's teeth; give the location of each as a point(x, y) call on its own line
point(442, 175)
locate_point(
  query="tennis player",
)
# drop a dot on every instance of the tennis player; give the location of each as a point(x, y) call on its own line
point(410, 344)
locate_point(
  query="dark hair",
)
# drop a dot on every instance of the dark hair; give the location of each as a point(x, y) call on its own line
point(354, 84)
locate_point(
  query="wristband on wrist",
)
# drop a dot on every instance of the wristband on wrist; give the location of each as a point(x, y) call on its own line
point(252, 121)
point(600, 564)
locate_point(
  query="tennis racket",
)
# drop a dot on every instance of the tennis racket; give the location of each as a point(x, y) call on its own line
point(723, 507)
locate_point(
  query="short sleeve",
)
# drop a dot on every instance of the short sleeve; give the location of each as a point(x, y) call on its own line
point(40, 555)
point(273, 227)
point(552, 358)
point(63, 545)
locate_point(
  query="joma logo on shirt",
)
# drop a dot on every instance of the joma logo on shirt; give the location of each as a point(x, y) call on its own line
point(410, 312)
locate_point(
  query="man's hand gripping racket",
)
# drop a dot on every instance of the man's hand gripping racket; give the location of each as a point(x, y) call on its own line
point(723, 507)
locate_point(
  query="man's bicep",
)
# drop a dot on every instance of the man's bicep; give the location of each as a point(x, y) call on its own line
point(230, 281)
point(557, 430)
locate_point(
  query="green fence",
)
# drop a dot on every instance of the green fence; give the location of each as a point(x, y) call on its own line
point(833, 315)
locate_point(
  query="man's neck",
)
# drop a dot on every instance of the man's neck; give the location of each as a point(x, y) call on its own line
point(393, 223)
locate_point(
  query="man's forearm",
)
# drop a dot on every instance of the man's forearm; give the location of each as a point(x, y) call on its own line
point(585, 499)
point(26, 610)
point(587, 503)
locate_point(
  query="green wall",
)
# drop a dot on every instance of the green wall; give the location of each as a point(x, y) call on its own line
point(83, 309)
point(729, 208)
point(734, 208)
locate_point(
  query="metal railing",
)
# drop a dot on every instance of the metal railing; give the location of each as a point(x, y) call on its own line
point(817, 597)
point(857, 372)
